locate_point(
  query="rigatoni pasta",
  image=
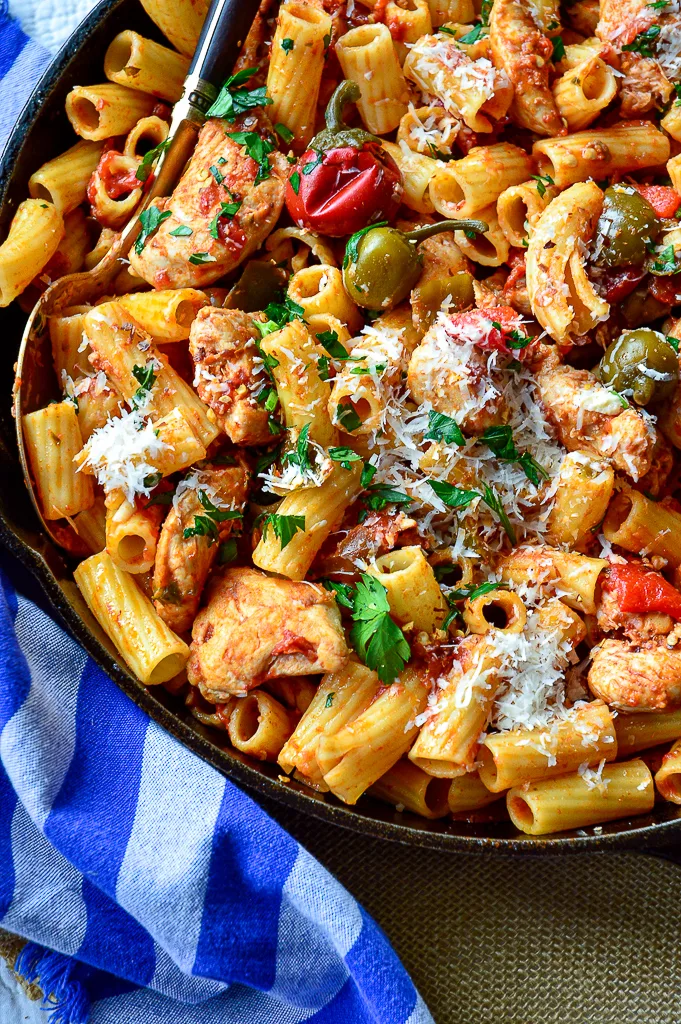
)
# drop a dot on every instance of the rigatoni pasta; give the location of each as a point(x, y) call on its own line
point(387, 499)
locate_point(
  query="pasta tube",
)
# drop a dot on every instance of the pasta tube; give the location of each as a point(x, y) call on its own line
point(127, 616)
point(166, 315)
point(583, 91)
point(638, 524)
point(97, 112)
point(570, 801)
point(34, 235)
point(319, 289)
point(586, 736)
point(259, 725)
point(417, 172)
point(303, 395)
point(641, 730)
point(629, 146)
point(180, 21)
point(466, 186)
point(296, 64)
point(52, 438)
point(408, 788)
point(413, 592)
point(367, 57)
point(64, 180)
point(144, 65)
point(468, 793)
point(132, 532)
point(585, 487)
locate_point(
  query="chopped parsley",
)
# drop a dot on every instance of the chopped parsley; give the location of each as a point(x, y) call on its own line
point(283, 132)
point(278, 315)
point(343, 592)
point(226, 211)
point(345, 456)
point(381, 495)
point(309, 167)
point(644, 42)
point(299, 456)
point(368, 474)
point(674, 342)
point(444, 428)
point(227, 552)
point(287, 45)
point(285, 527)
point(453, 497)
point(233, 100)
point(257, 148)
point(500, 442)
point(181, 231)
point(329, 699)
point(207, 526)
point(378, 640)
point(666, 263)
point(329, 340)
point(476, 33)
point(542, 181)
point(146, 378)
point(323, 368)
point(294, 182)
point(558, 49)
point(466, 594)
point(199, 258)
point(347, 417)
point(491, 499)
point(150, 220)
point(149, 159)
point(447, 30)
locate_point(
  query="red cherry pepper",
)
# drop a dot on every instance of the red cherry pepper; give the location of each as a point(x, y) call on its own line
point(641, 591)
point(345, 180)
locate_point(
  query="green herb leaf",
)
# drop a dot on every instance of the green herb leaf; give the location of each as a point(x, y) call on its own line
point(182, 231)
point(294, 182)
point(343, 592)
point(351, 250)
point(285, 527)
point(368, 474)
point(309, 167)
point(644, 42)
point(665, 264)
point(378, 640)
point(470, 593)
point(493, 502)
point(283, 132)
point(200, 258)
point(447, 30)
point(149, 159)
point(479, 32)
point(164, 498)
point(347, 417)
point(381, 495)
point(267, 460)
point(146, 378)
point(443, 428)
point(674, 342)
point(226, 211)
point(300, 457)
point(453, 497)
point(227, 552)
point(558, 49)
point(233, 100)
point(345, 456)
point(499, 440)
point(257, 148)
point(542, 181)
point(287, 45)
point(323, 368)
point(329, 340)
point(150, 219)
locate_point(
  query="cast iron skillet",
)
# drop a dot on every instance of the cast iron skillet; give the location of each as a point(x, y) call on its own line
point(42, 132)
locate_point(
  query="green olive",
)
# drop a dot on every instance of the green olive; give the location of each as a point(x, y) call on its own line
point(627, 225)
point(428, 296)
point(382, 264)
point(640, 365)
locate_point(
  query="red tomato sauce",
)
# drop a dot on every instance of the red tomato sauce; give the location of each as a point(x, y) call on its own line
point(641, 591)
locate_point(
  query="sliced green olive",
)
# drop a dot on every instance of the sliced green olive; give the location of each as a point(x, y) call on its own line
point(641, 365)
point(627, 226)
point(428, 296)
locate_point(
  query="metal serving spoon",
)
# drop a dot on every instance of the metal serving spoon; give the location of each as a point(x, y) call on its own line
point(35, 384)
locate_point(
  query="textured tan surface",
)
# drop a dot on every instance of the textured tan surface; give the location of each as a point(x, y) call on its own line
point(500, 940)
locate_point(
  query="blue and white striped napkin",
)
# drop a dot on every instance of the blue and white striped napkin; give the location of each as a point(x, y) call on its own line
point(151, 889)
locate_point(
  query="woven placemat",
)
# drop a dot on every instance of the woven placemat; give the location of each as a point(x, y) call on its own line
point(502, 940)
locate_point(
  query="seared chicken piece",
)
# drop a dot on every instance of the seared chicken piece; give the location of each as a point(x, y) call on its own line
point(520, 47)
point(256, 627)
point(228, 378)
point(164, 262)
point(587, 415)
point(449, 370)
point(381, 532)
point(184, 563)
point(644, 86)
point(645, 676)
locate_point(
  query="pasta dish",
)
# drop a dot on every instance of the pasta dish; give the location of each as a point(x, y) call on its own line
point(369, 451)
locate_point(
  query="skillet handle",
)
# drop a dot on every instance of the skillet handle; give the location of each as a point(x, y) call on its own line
point(224, 31)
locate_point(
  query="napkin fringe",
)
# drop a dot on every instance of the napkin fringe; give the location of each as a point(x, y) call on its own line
point(65, 998)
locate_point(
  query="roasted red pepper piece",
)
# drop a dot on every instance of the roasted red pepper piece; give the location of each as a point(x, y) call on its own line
point(619, 282)
point(664, 200)
point(345, 180)
point(641, 591)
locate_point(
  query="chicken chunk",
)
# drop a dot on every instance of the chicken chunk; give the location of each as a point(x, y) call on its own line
point(227, 377)
point(348, 550)
point(643, 676)
point(450, 370)
point(644, 86)
point(255, 628)
point(184, 563)
point(587, 415)
point(219, 172)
